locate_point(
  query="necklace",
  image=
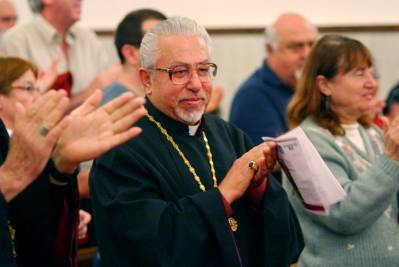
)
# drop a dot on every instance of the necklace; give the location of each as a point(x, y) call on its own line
point(11, 230)
point(232, 222)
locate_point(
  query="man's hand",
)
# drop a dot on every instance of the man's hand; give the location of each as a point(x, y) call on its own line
point(93, 131)
point(108, 76)
point(241, 176)
point(35, 133)
point(216, 98)
point(100, 82)
point(47, 77)
point(391, 138)
point(84, 220)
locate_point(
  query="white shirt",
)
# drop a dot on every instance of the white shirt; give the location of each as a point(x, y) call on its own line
point(353, 134)
point(40, 43)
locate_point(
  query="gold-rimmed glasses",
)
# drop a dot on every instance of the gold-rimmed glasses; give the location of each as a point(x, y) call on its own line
point(30, 88)
point(181, 74)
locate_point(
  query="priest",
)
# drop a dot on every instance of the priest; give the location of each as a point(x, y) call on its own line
point(191, 190)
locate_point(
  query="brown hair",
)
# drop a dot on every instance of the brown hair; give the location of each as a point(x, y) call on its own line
point(11, 69)
point(330, 56)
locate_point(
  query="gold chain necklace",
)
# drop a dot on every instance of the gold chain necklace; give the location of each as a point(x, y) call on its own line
point(11, 231)
point(232, 222)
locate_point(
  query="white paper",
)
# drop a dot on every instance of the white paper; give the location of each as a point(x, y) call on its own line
point(315, 182)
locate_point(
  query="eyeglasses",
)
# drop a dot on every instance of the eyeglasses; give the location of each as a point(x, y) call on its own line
point(30, 88)
point(181, 74)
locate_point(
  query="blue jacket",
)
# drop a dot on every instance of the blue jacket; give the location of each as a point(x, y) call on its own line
point(259, 106)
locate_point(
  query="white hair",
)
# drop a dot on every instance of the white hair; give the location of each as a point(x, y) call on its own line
point(149, 48)
point(271, 36)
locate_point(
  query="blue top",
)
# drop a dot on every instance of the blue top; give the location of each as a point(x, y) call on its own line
point(112, 91)
point(259, 106)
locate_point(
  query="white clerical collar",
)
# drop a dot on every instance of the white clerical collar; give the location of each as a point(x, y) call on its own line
point(192, 129)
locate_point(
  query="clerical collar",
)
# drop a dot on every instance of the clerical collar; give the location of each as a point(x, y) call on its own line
point(172, 125)
point(192, 129)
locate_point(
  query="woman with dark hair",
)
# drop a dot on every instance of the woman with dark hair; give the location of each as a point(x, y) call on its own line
point(331, 104)
point(44, 216)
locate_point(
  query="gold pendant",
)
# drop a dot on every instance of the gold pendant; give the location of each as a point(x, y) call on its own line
point(12, 237)
point(233, 224)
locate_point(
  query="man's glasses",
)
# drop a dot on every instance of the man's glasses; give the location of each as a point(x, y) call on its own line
point(30, 88)
point(181, 74)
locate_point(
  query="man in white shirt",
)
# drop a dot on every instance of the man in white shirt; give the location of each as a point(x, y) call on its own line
point(73, 54)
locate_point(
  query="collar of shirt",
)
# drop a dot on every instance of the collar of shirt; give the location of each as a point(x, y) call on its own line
point(269, 77)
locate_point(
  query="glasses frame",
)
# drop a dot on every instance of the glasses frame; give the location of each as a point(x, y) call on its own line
point(170, 70)
point(25, 88)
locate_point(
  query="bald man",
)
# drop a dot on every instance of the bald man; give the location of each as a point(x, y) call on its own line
point(259, 105)
point(8, 15)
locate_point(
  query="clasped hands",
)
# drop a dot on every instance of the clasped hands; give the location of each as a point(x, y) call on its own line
point(248, 171)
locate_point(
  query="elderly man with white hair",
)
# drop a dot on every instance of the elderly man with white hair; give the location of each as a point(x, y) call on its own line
point(191, 190)
point(259, 105)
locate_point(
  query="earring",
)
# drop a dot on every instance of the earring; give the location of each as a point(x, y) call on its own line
point(326, 104)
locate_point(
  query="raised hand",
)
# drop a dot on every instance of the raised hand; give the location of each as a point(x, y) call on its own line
point(93, 131)
point(391, 139)
point(35, 134)
point(109, 75)
point(47, 77)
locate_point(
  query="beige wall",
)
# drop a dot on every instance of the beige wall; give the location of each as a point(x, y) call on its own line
point(239, 54)
point(104, 14)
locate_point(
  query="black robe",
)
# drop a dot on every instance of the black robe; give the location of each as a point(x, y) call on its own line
point(149, 211)
point(45, 219)
point(6, 255)
point(42, 215)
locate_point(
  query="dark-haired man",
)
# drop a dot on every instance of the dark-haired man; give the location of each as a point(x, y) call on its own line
point(128, 36)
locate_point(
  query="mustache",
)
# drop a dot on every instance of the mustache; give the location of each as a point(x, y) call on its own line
point(200, 95)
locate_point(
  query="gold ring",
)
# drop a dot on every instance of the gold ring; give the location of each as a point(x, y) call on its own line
point(252, 165)
point(43, 129)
